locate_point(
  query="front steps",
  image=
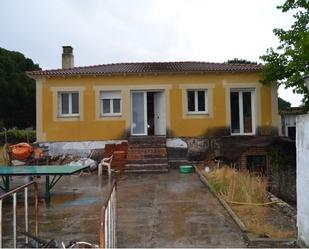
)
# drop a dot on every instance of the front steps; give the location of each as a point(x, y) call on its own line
point(147, 154)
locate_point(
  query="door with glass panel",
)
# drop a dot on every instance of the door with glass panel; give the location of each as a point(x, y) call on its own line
point(242, 112)
point(139, 113)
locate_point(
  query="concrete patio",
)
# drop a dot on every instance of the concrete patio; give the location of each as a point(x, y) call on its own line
point(154, 210)
point(172, 210)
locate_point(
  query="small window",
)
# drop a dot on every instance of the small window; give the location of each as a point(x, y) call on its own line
point(110, 103)
point(196, 100)
point(68, 103)
point(257, 164)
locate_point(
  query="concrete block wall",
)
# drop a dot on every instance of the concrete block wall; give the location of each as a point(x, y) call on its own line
point(302, 147)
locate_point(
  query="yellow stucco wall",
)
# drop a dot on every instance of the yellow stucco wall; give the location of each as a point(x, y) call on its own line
point(89, 126)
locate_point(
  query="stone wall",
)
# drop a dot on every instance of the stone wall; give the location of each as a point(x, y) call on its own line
point(283, 184)
point(282, 157)
point(198, 148)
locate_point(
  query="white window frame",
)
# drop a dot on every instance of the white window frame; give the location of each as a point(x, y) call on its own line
point(70, 114)
point(240, 106)
point(196, 101)
point(112, 113)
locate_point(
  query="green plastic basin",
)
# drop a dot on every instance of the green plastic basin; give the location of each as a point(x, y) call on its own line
point(184, 169)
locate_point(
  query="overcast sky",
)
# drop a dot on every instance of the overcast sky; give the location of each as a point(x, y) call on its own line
point(107, 31)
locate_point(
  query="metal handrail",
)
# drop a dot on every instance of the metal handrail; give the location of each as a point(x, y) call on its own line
point(36, 211)
point(108, 219)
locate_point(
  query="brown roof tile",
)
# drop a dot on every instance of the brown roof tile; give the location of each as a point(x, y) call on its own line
point(150, 68)
point(293, 111)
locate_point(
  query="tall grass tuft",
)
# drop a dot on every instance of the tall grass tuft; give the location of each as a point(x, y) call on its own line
point(238, 186)
point(4, 157)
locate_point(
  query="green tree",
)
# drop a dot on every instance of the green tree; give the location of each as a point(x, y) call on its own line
point(17, 91)
point(289, 62)
point(282, 104)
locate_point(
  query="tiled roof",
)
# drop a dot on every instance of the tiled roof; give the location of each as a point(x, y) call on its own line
point(293, 111)
point(150, 68)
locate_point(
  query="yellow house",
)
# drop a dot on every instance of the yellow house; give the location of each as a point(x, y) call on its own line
point(173, 99)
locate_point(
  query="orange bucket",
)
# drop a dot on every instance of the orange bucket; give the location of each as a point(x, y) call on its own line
point(21, 151)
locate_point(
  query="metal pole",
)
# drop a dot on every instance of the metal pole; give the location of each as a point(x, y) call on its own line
point(102, 228)
point(116, 218)
point(14, 219)
point(106, 228)
point(0, 223)
point(36, 210)
point(26, 214)
point(47, 189)
point(109, 224)
point(113, 221)
point(6, 181)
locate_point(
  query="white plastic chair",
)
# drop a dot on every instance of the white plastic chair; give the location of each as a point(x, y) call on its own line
point(105, 162)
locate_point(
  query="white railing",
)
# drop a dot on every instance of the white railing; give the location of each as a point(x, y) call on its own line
point(108, 219)
point(13, 194)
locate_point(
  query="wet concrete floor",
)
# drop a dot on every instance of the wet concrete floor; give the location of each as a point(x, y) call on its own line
point(72, 213)
point(172, 210)
point(154, 210)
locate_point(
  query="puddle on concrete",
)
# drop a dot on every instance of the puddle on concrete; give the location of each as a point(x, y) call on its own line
point(60, 199)
point(83, 201)
point(73, 211)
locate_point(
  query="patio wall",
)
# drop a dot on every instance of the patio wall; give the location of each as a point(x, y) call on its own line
point(302, 146)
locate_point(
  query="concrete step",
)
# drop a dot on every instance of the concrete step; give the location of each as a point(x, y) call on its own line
point(147, 140)
point(154, 167)
point(146, 153)
point(148, 161)
point(147, 145)
point(146, 150)
point(176, 163)
point(146, 171)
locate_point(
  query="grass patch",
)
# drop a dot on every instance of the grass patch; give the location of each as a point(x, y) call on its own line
point(242, 187)
point(266, 221)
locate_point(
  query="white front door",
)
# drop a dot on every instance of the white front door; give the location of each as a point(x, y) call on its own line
point(159, 114)
point(139, 113)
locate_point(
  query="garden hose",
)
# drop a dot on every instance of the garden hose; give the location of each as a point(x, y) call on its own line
point(254, 204)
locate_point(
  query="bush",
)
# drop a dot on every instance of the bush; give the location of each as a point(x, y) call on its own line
point(16, 136)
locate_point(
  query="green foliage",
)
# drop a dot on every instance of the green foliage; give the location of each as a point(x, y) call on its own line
point(17, 136)
point(17, 95)
point(282, 104)
point(279, 161)
point(289, 62)
point(219, 186)
point(240, 61)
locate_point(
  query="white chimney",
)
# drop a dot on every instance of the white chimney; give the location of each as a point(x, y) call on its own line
point(67, 57)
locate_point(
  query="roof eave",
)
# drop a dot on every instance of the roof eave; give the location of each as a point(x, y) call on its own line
point(35, 75)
